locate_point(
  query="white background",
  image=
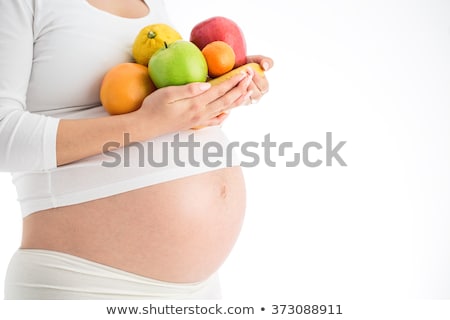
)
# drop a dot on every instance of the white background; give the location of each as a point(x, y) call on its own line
point(377, 75)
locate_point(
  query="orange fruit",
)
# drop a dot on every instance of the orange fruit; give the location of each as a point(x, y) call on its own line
point(220, 58)
point(124, 87)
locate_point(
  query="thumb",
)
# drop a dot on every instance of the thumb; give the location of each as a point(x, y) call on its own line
point(265, 62)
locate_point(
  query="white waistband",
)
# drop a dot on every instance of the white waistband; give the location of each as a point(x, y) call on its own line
point(43, 274)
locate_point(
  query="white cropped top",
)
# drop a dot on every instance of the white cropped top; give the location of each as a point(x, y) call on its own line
point(53, 56)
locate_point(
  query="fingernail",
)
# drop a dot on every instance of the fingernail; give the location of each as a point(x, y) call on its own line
point(204, 86)
point(265, 65)
point(242, 75)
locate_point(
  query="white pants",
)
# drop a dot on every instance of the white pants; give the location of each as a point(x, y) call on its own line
point(49, 275)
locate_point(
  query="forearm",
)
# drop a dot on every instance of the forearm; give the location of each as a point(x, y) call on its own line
point(166, 110)
point(80, 138)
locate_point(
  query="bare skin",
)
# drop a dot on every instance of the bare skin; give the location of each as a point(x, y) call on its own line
point(179, 231)
point(127, 9)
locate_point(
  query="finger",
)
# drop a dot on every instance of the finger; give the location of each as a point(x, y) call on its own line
point(218, 91)
point(176, 93)
point(262, 83)
point(245, 99)
point(255, 97)
point(257, 92)
point(265, 62)
point(228, 101)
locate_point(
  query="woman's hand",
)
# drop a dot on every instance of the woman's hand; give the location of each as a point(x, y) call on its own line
point(179, 108)
point(260, 85)
point(164, 111)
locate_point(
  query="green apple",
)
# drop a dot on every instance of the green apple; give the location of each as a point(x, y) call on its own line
point(178, 63)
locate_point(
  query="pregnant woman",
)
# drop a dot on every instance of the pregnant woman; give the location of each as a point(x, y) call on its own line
point(128, 231)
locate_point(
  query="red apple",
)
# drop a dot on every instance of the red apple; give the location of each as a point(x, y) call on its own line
point(221, 29)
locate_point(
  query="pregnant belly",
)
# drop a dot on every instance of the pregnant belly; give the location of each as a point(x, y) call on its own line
point(179, 231)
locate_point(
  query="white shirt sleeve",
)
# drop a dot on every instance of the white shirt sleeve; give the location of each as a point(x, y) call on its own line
point(27, 141)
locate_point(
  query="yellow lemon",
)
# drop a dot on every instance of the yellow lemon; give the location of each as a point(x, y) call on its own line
point(150, 39)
